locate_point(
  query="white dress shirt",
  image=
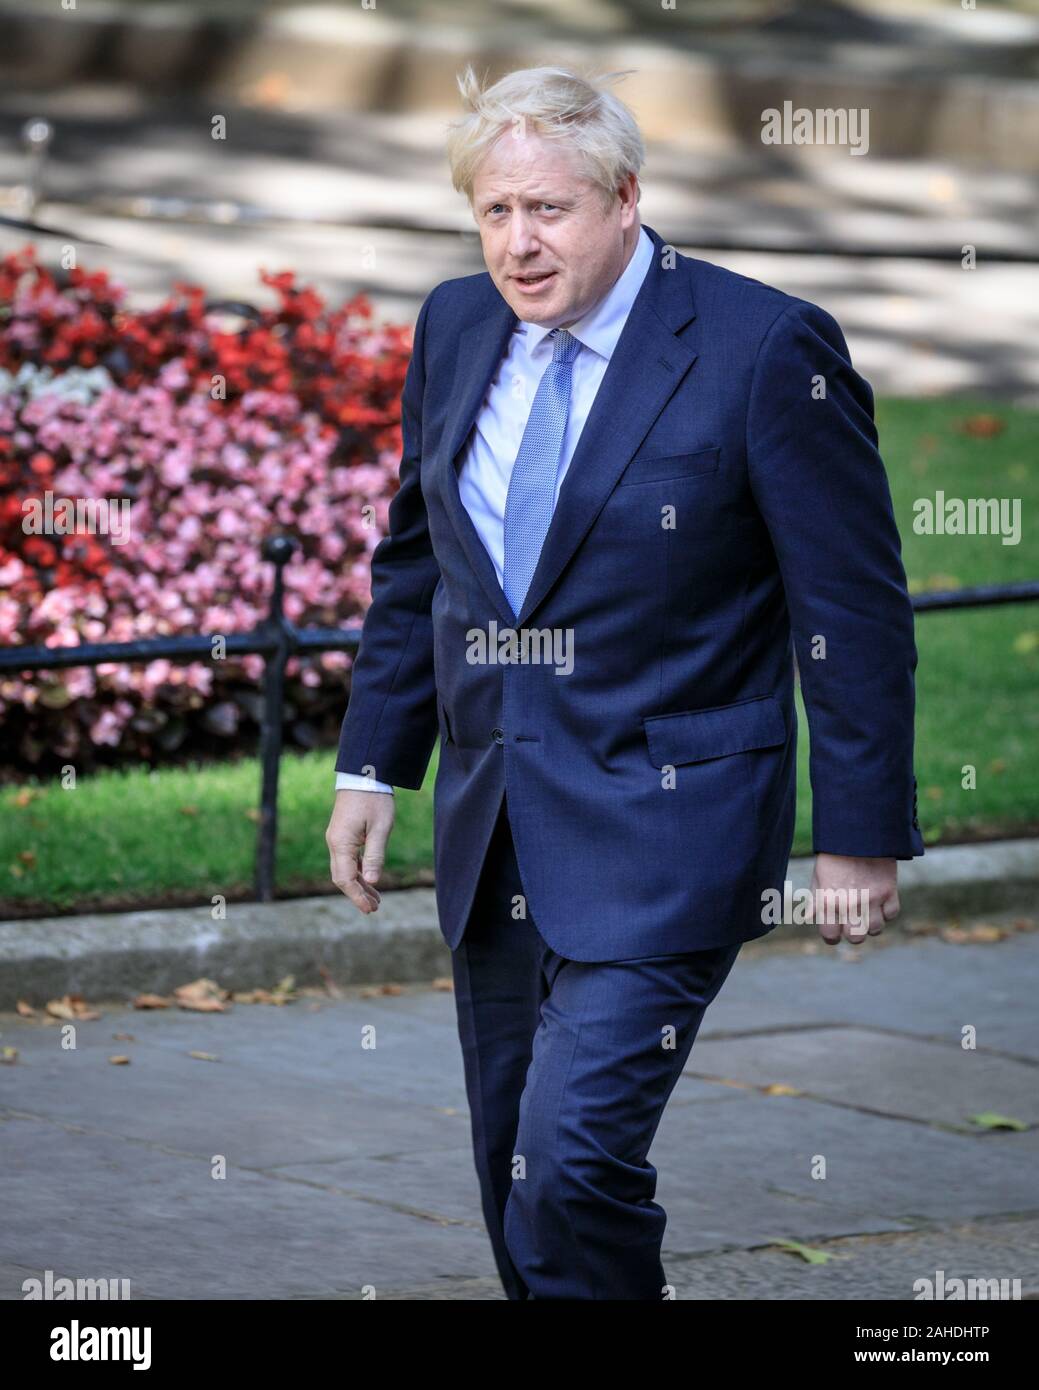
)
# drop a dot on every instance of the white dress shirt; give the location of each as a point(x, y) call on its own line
point(483, 481)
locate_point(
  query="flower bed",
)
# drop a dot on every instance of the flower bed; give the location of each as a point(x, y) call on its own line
point(204, 432)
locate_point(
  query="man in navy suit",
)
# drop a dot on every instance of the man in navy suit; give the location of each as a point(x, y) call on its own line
point(633, 487)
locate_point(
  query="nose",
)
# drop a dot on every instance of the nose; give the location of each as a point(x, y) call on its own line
point(523, 240)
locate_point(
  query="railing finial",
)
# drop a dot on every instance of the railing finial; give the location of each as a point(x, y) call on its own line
point(279, 550)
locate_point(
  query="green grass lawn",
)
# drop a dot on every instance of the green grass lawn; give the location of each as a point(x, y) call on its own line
point(183, 834)
point(140, 837)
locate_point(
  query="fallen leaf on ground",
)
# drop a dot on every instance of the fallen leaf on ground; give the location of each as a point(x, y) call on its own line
point(984, 931)
point(205, 1056)
point(778, 1088)
point(151, 1001)
point(202, 995)
point(120, 1060)
point(282, 993)
point(123, 1037)
point(808, 1253)
point(72, 1006)
point(8, 1055)
point(25, 1009)
point(980, 931)
point(988, 1119)
point(444, 983)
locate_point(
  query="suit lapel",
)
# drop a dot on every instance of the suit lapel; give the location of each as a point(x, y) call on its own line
point(646, 368)
point(480, 350)
point(644, 372)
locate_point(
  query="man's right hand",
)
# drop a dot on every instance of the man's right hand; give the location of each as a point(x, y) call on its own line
point(360, 821)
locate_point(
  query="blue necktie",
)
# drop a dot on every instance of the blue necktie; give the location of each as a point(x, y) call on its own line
point(532, 485)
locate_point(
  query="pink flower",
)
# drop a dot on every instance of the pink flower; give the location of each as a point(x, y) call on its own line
point(106, 728)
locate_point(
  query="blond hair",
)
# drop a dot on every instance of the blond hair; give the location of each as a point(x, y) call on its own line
point(555, 103)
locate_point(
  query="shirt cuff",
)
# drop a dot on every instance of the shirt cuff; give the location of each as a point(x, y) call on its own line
point(354, 782)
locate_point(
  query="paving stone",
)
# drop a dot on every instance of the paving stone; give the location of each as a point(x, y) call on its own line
point(742, 1174)
point(927, 987)
point(258, 1120)
point(887, 1073)
point(412, 1050)
point(441, 1182)
point(879, 1267)
point(95, 1205)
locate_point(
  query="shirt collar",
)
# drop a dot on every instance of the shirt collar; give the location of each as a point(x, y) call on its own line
point(600, 328)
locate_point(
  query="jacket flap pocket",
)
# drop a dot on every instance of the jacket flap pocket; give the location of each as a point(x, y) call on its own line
point(693, 736)
point(660, 464)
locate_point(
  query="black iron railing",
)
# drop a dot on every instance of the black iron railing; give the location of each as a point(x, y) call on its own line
point(276, 639)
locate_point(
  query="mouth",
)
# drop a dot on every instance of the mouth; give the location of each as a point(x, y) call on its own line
point(534, 282)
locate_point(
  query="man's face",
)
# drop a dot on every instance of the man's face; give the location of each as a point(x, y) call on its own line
point(550, 248)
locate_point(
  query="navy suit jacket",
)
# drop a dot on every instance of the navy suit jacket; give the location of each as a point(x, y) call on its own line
point(726, 507)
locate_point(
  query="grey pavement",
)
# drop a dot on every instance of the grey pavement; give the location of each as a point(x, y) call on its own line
point(348, 1166)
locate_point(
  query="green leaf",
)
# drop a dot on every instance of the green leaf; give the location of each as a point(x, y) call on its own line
point(808, 1253)
point(990, 1120)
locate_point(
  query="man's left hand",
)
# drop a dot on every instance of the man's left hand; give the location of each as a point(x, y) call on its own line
point(849, 885)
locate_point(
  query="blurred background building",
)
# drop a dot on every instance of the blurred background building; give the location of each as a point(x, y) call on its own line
point(202, 141)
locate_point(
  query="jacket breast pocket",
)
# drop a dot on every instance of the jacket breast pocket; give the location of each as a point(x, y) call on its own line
point(660, 467)
point(697, 735)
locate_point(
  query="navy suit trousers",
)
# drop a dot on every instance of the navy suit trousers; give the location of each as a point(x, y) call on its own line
point(568, 1066)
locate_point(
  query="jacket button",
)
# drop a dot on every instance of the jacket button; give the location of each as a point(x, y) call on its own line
point(498, 735)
